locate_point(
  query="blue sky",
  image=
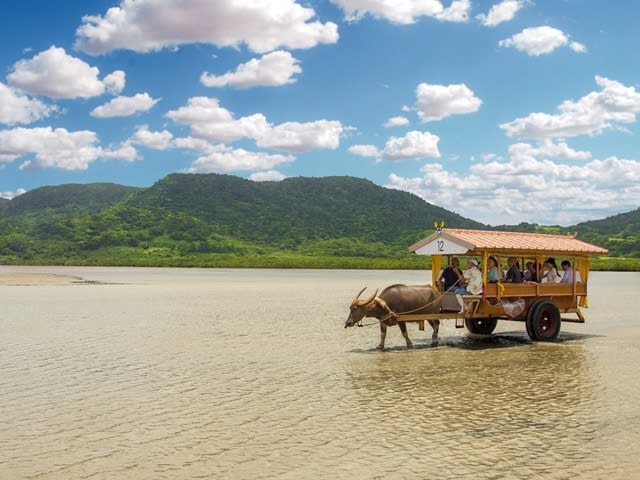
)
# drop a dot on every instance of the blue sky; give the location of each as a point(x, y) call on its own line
point(502, 110)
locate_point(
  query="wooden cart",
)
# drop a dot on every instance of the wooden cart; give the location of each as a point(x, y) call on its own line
point(542, 306)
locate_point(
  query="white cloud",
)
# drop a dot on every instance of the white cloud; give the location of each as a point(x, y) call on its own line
point(413, 146)
point(208, 120)
point(125, 106)
point(365, 150)
point(537, 41)
point(302, 137)
point(546, 149)
point(578, 47)
point(457, 12)
point(268, 176)
point(404, 12)
point(398, 121)
point(148, 25)
point(272, 70)
point(12, 195)
point(531, 187)
point(56, 74)
point(16, 108)
point(225, 159)
point(57, 148)
point(114, 82)
point(501, 12)
point(154, 140)
point(435, 102)
point(597, 111)
point(196, 144)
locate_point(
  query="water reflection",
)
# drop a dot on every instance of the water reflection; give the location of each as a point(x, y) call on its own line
point(485, 402)
point(185, 374)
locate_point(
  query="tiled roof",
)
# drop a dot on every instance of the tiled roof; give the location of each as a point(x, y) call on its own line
point(515, 241)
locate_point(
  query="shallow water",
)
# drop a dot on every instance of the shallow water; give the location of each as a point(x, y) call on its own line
point(249, 374)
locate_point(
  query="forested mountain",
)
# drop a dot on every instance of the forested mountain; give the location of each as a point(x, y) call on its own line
point(295, 210)
point(222, 220)
point(70, 199)
point(619, 233)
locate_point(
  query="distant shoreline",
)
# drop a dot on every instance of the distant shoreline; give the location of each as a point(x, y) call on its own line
point(35, 278)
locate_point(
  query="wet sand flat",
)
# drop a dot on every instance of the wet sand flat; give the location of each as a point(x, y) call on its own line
point(160, 373)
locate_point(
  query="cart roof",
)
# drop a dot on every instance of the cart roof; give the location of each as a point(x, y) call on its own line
point(455, 241)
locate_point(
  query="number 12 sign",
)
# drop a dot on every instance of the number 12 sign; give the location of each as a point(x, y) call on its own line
point(442, 246)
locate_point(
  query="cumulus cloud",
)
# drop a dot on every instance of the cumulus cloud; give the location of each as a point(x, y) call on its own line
point(12, 195)
point(457, 12)
point(398, 121)
point(54, 73)
point(414, 145)
point(532, 185)
point(114, 82)
point(546, 149)
point(154, 140)
point(16, 108)
point(597, 111)
point(271, 70)
point(57, 148)
point(578, 47)
point(302, 137)
point(148, 25)
point(435, 102)
point(538, 41)
point(268, 176)
point(501, 12)
point(404, 13)
point(365, 150)
point(208, 120)
point(225, 159)
point(125, 106)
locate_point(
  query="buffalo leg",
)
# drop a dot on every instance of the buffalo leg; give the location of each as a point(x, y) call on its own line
point(383, 335)
point(435, 324)
point(403, 329)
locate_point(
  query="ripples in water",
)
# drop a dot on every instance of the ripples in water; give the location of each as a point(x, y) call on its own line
point(250, 375)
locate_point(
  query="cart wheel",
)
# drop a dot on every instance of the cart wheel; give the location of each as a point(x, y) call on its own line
point(528, 322)
point(543, 321)
point(483, 326)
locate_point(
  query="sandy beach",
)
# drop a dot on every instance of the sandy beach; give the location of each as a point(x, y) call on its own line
point(15, 278)
point(36, 278)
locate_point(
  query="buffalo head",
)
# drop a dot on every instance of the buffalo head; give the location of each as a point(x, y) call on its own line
point(359, 308)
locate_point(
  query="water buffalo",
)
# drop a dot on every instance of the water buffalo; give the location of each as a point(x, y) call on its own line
point(393, 300)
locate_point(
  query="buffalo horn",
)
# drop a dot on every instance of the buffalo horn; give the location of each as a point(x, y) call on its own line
point(355, 300)
point(370, 299)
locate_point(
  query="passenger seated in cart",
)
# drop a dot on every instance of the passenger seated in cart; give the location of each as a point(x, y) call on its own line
point(471, 280)
point(493, 273)
point(551, 274)
point(531, 272)
point(567, 276)
point(450, 276)
point(514, 275)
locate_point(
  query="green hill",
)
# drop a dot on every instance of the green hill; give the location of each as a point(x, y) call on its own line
point(620, 233)
point(70, 199)
point(222, 220)
point(295, 210)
